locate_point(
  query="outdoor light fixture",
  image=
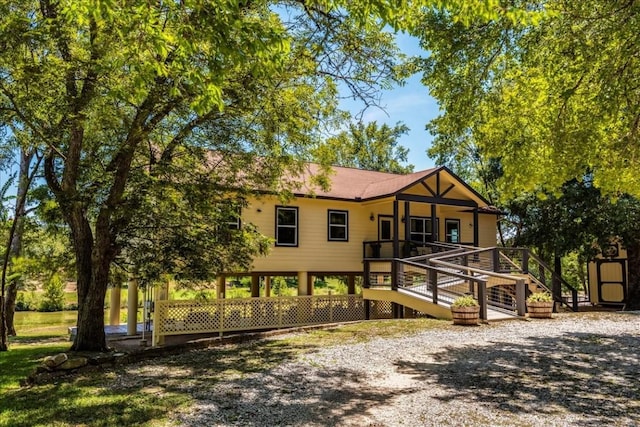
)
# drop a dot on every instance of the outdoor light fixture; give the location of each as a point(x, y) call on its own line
point(371, 217)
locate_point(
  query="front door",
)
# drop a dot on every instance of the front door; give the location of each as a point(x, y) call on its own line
point(452, 230)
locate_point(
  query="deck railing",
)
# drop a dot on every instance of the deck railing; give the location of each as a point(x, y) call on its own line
point(179, 317)
point(506, 260)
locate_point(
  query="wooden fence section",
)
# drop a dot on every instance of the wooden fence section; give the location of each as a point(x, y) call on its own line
point(181, 317)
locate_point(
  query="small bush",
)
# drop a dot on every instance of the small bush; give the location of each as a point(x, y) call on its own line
point(53, 297)
point(72, 306)
point(540, 297)
point(26, 302)
point(465, 301)
point(22, 306)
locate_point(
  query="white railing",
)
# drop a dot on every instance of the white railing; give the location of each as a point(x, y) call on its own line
point(181, 317)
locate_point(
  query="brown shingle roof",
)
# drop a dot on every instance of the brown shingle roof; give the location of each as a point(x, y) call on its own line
point(357, 184)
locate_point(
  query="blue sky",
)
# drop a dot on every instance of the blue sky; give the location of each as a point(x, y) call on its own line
point(409, 104)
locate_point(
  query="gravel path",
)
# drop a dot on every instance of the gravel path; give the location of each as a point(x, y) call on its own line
point(575, 369)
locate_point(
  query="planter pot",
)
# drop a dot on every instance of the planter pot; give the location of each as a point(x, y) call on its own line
point(540, 310)
point(465, 315)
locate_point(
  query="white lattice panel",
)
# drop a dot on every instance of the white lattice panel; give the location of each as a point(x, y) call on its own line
point(194, 317)
point(381, 310)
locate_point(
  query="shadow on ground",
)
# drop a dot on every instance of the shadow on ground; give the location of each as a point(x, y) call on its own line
point(593, 376)
point(226, 385)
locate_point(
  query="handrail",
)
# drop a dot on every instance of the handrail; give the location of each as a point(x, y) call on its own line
point(439, 270)
point(433, 271)
point(554, 275)
point(439, 263)
point(477, 270)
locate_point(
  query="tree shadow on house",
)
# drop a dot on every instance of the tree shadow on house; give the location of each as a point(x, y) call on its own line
point(594, 376)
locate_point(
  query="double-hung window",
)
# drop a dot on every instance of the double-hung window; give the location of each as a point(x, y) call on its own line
point(338, 226)
point(286, 226)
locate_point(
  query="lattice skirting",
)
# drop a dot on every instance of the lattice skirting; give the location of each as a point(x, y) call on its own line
point(179, 317)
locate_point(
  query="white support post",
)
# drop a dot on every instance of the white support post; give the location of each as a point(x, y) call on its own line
point(132, 307)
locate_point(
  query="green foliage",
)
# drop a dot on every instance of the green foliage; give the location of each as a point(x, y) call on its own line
point(549, 99)
point(53, 296)
point(284, 287)
point(152, 114)
point(540, 297)
point(369, 147)
point(465, 301)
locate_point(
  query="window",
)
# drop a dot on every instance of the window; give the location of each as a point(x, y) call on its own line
point(421, 231)
point(384, 228)
point(286, 226)
point(229, 223)
point(452, 230)
point(338, 226)
point(233, 221)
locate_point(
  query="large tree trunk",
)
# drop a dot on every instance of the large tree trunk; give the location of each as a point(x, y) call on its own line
point(16, 243)
point(92, 264)
point(633, 288)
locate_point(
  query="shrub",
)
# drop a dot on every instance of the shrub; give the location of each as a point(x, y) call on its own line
point(26, 302)
point(465, 301)
point(540, 297)
point(53, 297)
point(72, 306)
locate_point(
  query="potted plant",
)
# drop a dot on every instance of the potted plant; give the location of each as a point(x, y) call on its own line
point(540, 305)
point(465, 310)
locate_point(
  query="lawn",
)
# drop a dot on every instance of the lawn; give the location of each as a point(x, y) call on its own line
point(98, 399)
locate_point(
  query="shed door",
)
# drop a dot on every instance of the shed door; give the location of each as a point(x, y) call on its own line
point(612, 281)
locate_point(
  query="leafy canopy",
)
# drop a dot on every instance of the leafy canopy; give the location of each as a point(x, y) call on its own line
point(549, 99)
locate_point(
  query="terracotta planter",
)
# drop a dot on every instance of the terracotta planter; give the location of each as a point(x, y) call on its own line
point(465, 315)
point(540, 310)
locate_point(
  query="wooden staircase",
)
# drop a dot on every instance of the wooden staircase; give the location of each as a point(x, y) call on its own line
point(499, 278)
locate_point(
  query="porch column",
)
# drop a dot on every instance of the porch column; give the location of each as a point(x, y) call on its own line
point(351, 284)
point(303, 285)
point(132, 307)
point(396, 229)
point(267, 286)
point(434, 223)
point(255, 286)
point(221, 286)
point(114, 305)
point(475, 228)
point(407, 228)
point(162, 293)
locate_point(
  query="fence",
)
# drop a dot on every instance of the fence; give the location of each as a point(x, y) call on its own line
point(181, 317)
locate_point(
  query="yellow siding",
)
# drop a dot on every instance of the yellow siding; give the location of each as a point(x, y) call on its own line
point(315, 253)
point(488, 231)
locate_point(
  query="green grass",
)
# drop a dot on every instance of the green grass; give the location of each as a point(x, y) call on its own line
point(100, 398)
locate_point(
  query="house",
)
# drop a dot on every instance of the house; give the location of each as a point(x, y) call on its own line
point(418, 241)
point(321, 232)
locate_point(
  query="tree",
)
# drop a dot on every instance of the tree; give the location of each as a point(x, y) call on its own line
point(549, 99)
point(369, 147)
point(133, 99)
point(561, 96)
point(128, 100)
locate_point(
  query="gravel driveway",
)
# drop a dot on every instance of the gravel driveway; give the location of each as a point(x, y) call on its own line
point(576, 369)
